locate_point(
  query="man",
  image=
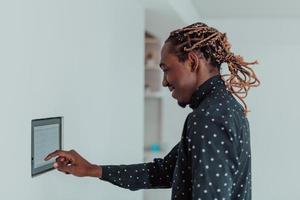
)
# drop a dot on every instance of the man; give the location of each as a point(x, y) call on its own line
point(213, 158)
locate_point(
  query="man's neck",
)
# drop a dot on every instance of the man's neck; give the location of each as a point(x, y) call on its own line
point(206, 76)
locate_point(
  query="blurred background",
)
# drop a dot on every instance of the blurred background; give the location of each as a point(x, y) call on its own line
point(95, 62)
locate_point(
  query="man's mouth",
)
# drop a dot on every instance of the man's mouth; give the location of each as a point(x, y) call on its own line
point(171, 88)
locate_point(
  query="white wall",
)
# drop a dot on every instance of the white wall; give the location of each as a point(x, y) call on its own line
point(274, 106)
point(82, 60)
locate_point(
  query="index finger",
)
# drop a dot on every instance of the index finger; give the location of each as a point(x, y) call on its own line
point(57, 153)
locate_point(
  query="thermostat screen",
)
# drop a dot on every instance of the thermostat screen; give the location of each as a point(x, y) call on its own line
point(46, 141)
point(45, 138)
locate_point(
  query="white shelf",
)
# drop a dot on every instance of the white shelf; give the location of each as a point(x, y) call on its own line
point(149, 155)
point(152, 41)
point(152, 98)
point(149, 94)
point(154, 66)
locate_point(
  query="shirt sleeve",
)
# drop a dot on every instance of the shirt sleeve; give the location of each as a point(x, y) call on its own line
point(155, 174)
point(213, 159)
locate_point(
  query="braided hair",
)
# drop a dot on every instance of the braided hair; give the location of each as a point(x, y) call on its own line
point(215, 47)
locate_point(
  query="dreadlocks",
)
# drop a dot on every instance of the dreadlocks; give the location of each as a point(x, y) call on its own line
point(216, 48)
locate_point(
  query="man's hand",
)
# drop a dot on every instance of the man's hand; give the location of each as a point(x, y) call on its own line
point(70, 162)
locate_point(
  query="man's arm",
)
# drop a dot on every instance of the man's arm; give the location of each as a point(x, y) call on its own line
point(213, 160)
point(155, 174)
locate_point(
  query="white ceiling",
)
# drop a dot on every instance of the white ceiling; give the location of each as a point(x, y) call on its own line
point(163, 16)
point(160, 18)
point(246, 9)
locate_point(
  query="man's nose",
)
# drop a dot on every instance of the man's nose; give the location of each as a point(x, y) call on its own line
point(164, 82)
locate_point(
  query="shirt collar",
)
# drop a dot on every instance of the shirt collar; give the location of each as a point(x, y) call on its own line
point(204, 89)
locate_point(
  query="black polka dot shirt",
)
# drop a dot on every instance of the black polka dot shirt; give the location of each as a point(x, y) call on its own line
point(212, 161)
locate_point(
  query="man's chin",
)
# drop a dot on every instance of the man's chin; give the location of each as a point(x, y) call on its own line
point(179, 102)
point(182, 104)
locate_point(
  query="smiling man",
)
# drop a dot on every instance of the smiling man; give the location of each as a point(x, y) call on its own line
point(184, 77)
point(213, 158)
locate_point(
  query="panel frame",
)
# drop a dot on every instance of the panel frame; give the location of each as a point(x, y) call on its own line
point(43, 122)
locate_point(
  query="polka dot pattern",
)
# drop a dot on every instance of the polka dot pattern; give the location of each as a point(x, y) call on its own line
point(211, 161)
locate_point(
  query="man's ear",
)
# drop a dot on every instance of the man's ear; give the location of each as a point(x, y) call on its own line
point(194, 61)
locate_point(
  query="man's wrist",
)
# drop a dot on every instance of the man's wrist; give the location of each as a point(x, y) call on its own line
point(96, 171)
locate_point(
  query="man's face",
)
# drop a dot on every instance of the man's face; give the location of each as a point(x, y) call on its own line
point(178, 76)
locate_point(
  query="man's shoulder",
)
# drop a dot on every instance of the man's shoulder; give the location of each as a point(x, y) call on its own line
point(216, 111)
